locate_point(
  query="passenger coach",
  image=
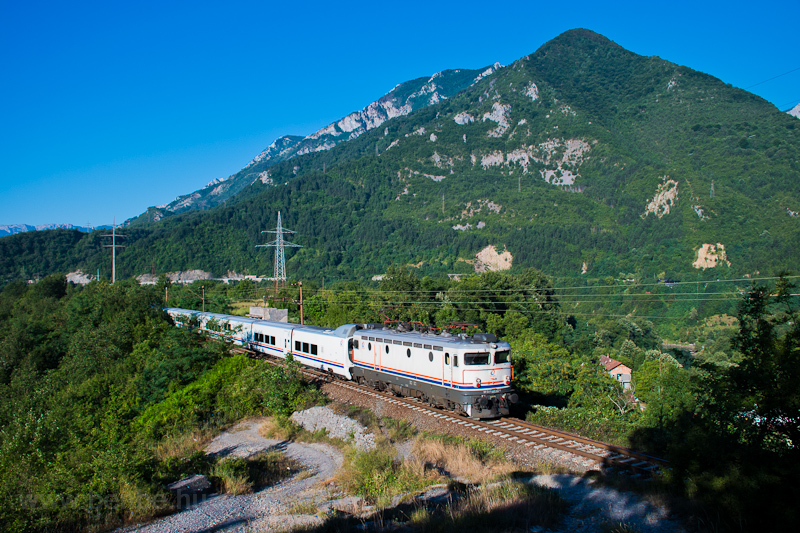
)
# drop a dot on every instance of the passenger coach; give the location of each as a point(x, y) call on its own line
point(467, 374)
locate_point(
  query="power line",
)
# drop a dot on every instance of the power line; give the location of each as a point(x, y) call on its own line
point(456, 290)
point(773, 78)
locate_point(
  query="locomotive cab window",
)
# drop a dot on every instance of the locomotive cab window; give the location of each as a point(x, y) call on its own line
point(476, 358)
point(501, 357)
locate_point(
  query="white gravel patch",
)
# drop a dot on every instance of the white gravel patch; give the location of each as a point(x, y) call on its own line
point(337, 426)
point(266, 508)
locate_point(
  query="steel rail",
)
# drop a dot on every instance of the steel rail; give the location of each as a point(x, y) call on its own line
point(513, 430)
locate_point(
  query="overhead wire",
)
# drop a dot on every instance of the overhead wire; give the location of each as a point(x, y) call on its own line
point(574, 299)
point(773, 78)
point(456, 290)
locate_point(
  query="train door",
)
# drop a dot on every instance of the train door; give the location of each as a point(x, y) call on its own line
point(447, 370)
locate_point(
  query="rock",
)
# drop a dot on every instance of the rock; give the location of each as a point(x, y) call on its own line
point(349, 504)
point(190, 490)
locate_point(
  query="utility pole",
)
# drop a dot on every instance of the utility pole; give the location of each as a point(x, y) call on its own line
point(280, 259)
point(113, 247)
point(300, 283)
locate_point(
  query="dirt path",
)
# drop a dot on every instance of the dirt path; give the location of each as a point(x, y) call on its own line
point(263, 510)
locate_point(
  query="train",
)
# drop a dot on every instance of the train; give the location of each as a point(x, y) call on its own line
point(467, 374)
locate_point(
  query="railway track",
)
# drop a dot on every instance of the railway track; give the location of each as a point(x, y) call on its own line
point(513, 430)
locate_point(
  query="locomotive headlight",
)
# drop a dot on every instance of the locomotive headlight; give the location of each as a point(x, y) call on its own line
point(478, 382)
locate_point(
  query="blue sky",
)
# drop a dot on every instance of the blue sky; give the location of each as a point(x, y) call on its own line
point(110, 107)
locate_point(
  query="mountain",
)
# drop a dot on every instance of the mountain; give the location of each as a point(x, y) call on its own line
point(795, 111)
point(400, 101)
point(10, 229)
point(582, 159)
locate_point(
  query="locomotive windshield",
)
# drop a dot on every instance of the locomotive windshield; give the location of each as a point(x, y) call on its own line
point(501, 357)
point(476, 358)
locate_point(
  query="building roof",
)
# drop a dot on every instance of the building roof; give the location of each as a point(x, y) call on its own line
point(610, 364)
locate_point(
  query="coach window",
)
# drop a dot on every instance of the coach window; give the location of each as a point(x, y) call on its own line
point(447, 358)
point(430, 357)
point(272, 340)
point(313, 349)
point(408, 352)
point(296, 346)
point(305, 347)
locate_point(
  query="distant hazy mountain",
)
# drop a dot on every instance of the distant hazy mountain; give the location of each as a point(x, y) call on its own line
point(400, 101)
point(11, 229)
point(795, 111)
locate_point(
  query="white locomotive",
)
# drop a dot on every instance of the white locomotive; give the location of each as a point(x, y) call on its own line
point(467, 374)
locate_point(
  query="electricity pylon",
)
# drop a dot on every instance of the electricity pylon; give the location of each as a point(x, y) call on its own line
point(280, 259)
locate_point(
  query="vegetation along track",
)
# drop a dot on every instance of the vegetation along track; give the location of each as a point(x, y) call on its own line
point(513, 430)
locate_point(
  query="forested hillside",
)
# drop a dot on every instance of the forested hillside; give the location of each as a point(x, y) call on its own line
point(103, 402)
point(583, 160)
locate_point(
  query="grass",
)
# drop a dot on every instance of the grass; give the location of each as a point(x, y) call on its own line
point(474, 460)
point(180, 446)
point(618, 527)
point(398, 430)
point(508, 506)
point(282, 428)
point(242, 476)
point(303, 508)
point(502, 507)
point(377, 477)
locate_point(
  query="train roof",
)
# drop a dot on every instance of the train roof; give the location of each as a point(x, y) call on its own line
point(344, 331)
point(428, 338)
